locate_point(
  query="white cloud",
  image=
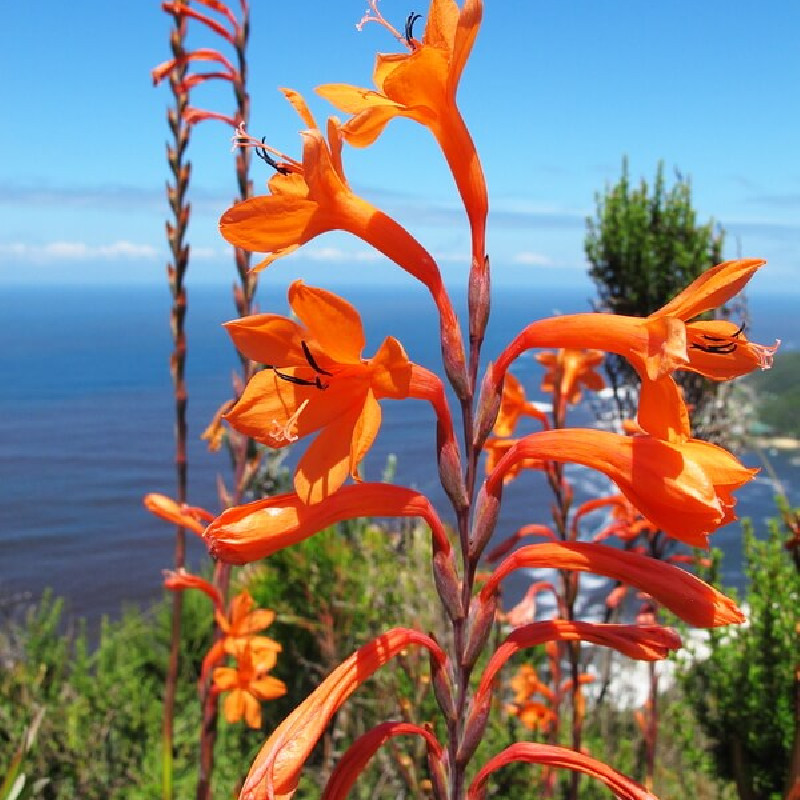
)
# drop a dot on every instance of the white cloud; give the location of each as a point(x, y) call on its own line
point(336, 255)
point(528, 258)
point(77, 251)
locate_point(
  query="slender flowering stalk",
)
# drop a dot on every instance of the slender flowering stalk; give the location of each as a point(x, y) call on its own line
point(233, 31)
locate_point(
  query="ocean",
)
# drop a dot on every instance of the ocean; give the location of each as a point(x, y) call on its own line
point(86, 428)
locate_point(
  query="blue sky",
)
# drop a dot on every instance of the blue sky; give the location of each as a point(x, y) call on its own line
point(555, 95)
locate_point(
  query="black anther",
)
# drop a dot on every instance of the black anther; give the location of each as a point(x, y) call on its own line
point(311, 362)
point(409, 30)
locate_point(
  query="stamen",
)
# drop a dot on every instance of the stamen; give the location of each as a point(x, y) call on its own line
point(373, 15)
point(288, 431)
point(721, 349)
point(313, 364)
point(410, 20)
point(301, 381)
point(766, 354)
point(243, 139)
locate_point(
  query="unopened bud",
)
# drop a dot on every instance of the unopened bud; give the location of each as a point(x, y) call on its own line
point(442, 682)
point(487, 509)
point(454, 358)
point(479, 297)
point(488, 407)
point(450, 469)
point(447, 584)
point(438, 767)
point(473, 730)
point(479, 626)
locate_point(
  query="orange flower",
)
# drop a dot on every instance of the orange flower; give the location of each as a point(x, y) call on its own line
point(239, 627)
point(312, 197)
point(513, 405)
point(189, 517)
point(421, 85)
point(318, 381)
point(568, 371)
point(178, 580)
point(683, 487)
point(352, 763)
point(256, 530)
point(681, 592)
point(664, 341)
point(276, 769)
point(246, 684)
point(553, 756)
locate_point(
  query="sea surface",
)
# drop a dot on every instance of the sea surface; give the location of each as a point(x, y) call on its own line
point(86, 428)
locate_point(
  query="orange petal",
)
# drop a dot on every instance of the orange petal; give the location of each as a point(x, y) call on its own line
point(267, 688)
point(324, 467)
point(469, 22)
point(225, 679)
point(419, 82)
point(713, 288)
point(177, 513)
point(256, 530)
point(553, 756)
point(255, 621)
point(364, 432)
point(441, 24)
point(296, 99)
point(662, 412)
point(270, 222)
point(269, 339)
point(391, 370)
point(685, 595)
point(276, 770)
point(332, 321)
point(252, 709)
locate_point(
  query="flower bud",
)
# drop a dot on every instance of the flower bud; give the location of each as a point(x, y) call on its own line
point(488, 406)
point(487, 508)
point(442, 681)
point(479, 626)
point(447, 584)
point(438, 768)
point(450, 470)
point(474, 728)
point(479, 296)
point(454, 358)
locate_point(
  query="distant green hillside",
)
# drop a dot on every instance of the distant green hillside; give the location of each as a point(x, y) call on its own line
point(777, 394)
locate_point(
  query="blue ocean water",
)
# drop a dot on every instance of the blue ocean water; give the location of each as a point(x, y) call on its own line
point(86, 426)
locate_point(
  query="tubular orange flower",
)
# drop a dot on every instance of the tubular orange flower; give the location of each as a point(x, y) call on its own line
point(683, 487)
point(643, 642)
point(422, 85)
point(568, 371)
point(256, 530)
point(496, 449)
point(553, 756)
point(681, 592)
point(318, 381)
point(664, 341)
point(178, 580)
point(246, 684)
point(352, 763)
point(276, 769)
point(513, 405)
point(189, 517)
point(505, 547)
